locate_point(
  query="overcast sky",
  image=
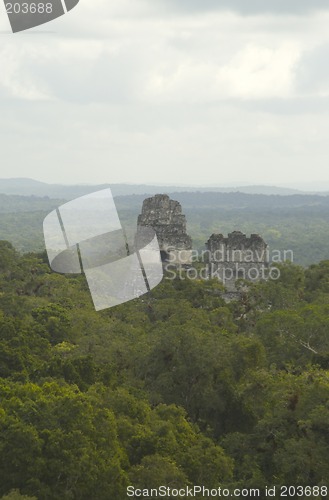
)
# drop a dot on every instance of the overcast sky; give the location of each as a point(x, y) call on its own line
point(199, 92)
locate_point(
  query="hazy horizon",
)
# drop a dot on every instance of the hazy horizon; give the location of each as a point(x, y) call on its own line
point(303, 187)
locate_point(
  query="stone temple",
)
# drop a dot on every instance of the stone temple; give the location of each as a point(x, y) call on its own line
point(236, 257)
point(227, 258)
point(165, 216)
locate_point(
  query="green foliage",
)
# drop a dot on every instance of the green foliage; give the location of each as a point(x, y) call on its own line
point(16, 495)
point(176, 388)
point(54, 441)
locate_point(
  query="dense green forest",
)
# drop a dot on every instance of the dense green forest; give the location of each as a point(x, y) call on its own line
point(175, 388)
point(21, 219)
point(178, 388)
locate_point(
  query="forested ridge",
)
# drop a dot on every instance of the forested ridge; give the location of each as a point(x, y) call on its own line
point(175, 388)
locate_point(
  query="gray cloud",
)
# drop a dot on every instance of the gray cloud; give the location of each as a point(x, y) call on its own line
point(314, 106)
point(312, 74)
point(249, 7)
point(104, 79)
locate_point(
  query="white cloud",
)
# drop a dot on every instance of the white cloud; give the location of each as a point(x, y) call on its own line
point(259, 72)
point(14, 82)
point(254, 72)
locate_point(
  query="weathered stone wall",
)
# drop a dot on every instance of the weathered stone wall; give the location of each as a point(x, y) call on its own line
point(236, 257)
point(165, 216)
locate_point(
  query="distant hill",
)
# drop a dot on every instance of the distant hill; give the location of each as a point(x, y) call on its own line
point(235, 201)
point(189, 200)
point(29, 187)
